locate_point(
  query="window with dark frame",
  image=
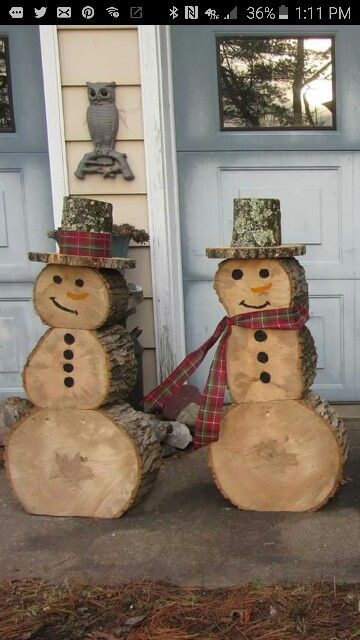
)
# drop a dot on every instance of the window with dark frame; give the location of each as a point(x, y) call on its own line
point(276, 82)
point(7, 122)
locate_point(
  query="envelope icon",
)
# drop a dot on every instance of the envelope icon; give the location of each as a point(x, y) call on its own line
point(63, 12)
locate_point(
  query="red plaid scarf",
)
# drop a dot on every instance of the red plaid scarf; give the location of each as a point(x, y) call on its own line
point(208, 420)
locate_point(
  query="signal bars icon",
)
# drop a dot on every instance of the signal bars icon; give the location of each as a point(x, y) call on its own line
point(232, 15)
point(113, 12)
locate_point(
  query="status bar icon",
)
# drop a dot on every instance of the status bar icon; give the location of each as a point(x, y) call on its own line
point(283, 12)
point(232, 15)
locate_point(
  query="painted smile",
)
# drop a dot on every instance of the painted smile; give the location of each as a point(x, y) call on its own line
point(59, 306)
point(253, 306)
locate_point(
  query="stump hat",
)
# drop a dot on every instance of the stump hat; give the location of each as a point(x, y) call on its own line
point(84, 237)
point(256, 232)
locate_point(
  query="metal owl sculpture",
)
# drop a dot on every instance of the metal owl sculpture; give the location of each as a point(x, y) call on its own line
point(103, 122)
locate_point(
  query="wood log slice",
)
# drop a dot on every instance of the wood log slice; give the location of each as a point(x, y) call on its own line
point(247, 253)
point(256, 222)
point(81, 463)
point(244, 286)
point(285, 455)
point(281, 367)
point(82, 261)
point(266, 364)
point(81, 369)
point(86, 214)
point(80, 297)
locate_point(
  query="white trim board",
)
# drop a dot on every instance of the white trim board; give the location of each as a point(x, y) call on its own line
point(163, 197)
point(54, 117)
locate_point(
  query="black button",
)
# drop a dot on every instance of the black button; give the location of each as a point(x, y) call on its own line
point(262, 356)
point(265, 376)
point(69, 382)
point(68, 367)
point(260, 335)
point(68, 354)
point(69, 338)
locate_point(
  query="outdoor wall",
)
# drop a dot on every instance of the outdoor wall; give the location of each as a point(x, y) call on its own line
point(105, 54)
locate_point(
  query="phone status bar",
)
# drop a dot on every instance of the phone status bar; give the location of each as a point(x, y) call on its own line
point(116, 13)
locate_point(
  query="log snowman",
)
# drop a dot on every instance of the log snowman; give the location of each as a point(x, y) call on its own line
point(77, 453)
point(278, 447)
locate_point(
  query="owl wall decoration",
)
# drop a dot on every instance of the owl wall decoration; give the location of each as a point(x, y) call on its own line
point(103, 122)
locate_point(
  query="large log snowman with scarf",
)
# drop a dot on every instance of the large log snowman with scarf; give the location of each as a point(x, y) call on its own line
point(278, 447)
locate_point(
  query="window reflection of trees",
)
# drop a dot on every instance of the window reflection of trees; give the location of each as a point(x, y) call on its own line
point(6, 113)
point(276, 82)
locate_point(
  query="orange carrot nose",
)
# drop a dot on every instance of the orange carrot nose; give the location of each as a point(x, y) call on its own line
point(76, 296)
point(265, 287)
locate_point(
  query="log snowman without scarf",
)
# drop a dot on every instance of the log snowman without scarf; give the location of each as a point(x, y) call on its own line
point(75, 454)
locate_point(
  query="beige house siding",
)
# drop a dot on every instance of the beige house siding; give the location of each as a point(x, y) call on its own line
point(111, 54)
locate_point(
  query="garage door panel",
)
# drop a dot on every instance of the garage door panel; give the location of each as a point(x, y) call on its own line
point(318, 194)
point(310, 204)
point(331, 323)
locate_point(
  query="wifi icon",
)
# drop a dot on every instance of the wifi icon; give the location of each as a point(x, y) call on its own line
point(113, 12)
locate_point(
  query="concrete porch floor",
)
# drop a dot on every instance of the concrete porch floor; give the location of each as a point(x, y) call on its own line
point(186, 533)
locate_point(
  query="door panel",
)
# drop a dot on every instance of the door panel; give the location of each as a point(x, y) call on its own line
point(332, 324)
point(27, 91)
point(318, 194)
point(25, 207)
point(25, 213)
point(19, 331)
point(196, 92)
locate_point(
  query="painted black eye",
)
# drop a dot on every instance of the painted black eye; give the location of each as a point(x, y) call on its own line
point(237, 274)
point(104, 92)
point(92, 93)
point(79, 282)
point(57, 279)
point(264, 273)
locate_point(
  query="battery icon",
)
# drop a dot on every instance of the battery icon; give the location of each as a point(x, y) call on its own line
point(283, 12)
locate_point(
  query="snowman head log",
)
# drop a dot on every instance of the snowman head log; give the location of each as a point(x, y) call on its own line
point(80, 297)
point(254, 285)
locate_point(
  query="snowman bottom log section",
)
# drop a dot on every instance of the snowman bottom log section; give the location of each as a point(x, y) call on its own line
point(81, 463)
point(281, 455)
point(81, 369)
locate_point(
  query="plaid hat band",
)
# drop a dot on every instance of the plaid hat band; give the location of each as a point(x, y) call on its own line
point(84, 243)
point(208, 421)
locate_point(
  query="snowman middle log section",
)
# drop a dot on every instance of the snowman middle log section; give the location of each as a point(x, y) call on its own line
point(81, 369)
point(266, 364)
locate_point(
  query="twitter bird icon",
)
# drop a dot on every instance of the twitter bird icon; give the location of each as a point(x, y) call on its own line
point(39, 13)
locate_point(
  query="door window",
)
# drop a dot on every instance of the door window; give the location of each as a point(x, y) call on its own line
point(285, 82)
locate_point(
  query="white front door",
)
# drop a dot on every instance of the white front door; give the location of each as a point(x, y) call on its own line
point(25, 197)
point(316, 176)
